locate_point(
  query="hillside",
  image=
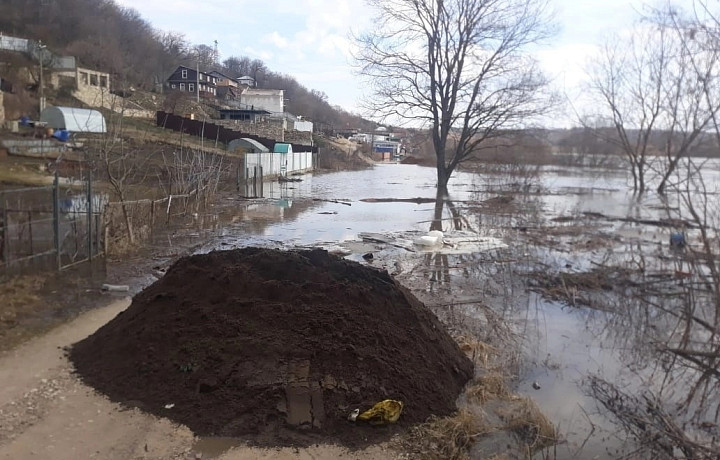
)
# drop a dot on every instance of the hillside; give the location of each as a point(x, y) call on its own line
point(107, 37)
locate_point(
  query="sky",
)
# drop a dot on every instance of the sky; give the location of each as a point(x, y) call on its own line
point(311, 39)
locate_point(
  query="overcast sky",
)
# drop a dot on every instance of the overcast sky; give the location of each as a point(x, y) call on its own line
point(309, 39)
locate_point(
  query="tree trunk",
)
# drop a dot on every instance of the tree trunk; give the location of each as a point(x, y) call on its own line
point(666, 176)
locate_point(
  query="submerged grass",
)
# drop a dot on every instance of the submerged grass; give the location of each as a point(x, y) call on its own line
point(486, 387)
point(524, 418)
point(445, 437)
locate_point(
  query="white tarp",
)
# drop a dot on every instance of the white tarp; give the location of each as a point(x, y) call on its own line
point(74, 119)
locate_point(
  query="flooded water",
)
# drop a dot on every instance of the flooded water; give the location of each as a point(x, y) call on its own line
point(537, 222)
point(560, 346)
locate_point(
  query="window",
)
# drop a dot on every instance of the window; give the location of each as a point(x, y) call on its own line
point(84, 78)
point(93, 79)
point(191, 87)
point(173, 86)
point(184, 73)
point(182, 86)
point(103, 81)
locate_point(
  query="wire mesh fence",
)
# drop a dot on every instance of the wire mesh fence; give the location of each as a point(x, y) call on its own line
point(50, 227)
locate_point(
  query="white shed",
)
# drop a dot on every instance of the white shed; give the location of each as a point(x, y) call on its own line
point(74, 119)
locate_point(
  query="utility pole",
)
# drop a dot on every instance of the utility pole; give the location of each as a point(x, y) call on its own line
point(41, 53)
point(197, 82)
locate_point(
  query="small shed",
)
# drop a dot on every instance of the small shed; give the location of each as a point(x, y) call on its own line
point(74, 119)
point(282, 148)
point(249, 145)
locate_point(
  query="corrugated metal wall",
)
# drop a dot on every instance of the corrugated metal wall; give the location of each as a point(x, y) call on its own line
point(277, 163)
point(13, 44)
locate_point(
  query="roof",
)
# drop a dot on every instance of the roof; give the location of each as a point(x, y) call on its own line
point(74, 119)
point(262, 92)
point(215, 73)
point(192, 69)
point(250, 144)
point(282, 148)
point(245, 110)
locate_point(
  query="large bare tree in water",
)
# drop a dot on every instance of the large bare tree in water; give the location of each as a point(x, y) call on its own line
point(458, 67)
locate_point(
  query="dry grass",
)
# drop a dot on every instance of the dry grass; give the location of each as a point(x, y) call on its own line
point(489, 386)
point(479, 352)
point(15, 173)
point(445, 438)
point(525, 419)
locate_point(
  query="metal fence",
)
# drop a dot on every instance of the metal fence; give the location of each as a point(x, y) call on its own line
point(217, 133)
point(49, 227)
point(277, 164)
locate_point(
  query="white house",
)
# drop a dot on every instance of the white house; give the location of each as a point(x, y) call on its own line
point(272, 100)
point(246, 80)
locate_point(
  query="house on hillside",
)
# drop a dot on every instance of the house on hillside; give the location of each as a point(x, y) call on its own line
point(223, 80)
point(227, 87)
point(242, 114)
point(188, 80)
point(272, 100)
point(297, 123)
point(246, 81)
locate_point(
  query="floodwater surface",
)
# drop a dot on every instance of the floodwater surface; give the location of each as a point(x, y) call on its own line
point(562, 345)
point(551, 221)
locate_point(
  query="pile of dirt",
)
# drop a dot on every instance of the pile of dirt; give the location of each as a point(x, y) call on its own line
point(422, 161)
point(276, 347)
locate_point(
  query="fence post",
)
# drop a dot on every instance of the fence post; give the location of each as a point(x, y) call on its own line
point(255, 173)
point(237, 177)
point(30, 235)
point(89, 215)
point(56, 219)
point(261, 181)
point(6, 233)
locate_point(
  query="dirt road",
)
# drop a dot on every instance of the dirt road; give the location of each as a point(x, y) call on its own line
point(46, 412)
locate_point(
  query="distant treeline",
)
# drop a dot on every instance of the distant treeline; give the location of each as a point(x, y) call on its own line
point(105, 36)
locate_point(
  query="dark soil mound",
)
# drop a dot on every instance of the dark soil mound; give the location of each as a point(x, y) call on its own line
point(277, 347)
point(422, 161)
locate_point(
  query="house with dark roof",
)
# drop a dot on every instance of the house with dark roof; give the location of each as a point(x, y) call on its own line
point(189, 80)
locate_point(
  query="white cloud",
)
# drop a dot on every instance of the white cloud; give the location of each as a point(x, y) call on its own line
point(276, 39)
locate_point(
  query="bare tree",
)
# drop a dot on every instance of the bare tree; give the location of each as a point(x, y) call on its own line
point(203, 56)
point(630, 79)
point(123, 165)
point(458, 67)
point(660, 91)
